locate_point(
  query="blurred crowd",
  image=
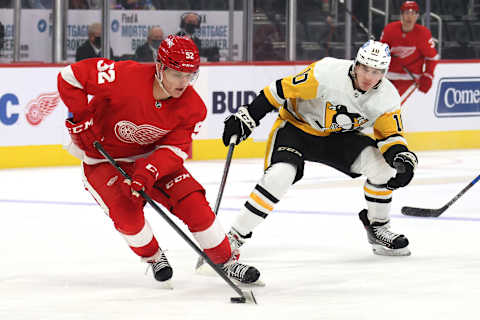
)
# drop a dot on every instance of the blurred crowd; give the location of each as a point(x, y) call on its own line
point(124, 4)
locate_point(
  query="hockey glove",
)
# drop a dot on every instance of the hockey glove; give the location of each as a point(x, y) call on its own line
point(425, 82)
point(240, 124)
point(143, 178)
point(82, 135)
point(405, 163)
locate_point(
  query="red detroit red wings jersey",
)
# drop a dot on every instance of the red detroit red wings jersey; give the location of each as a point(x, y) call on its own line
point(411, 49)
point(127, 119)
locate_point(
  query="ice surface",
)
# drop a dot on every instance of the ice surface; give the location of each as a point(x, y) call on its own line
point(60, 257)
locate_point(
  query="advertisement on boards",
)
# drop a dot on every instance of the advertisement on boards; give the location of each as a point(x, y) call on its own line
point(458, 97)
point(226, 88)
point(31, 111)
point(128, 30)
point(453, 102)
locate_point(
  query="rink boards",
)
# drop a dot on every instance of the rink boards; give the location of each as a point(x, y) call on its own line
point(32, 115)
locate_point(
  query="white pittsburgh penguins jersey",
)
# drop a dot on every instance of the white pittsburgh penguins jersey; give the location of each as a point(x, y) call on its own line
point(321, 100)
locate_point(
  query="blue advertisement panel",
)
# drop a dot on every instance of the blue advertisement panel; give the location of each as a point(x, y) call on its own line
point(458, 97)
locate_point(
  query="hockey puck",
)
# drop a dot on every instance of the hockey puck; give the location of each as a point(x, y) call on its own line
point(238, 300)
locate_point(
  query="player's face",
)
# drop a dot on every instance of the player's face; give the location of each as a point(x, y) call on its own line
point(367, 77)
point(175, 82)
point(408, 19)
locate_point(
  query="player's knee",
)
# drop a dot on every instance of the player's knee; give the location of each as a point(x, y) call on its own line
point(194, 211)
point(291, 156)
point(371, 164)
point(278, 178)
point(127, 220)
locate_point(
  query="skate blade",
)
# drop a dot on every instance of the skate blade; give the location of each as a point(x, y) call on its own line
point(166, 285)
point(206, 270)
point(382, 251)
point(258, 283)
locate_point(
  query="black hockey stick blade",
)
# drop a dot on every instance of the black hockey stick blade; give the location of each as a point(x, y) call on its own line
point(422, 212)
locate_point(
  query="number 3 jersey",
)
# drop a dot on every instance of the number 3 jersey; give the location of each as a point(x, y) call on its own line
point(127, 119)
point(322, 100)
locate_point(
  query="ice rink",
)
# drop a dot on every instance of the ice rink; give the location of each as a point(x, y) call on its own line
point(61, 258)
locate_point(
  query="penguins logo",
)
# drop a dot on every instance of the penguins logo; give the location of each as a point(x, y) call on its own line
point(343, 120)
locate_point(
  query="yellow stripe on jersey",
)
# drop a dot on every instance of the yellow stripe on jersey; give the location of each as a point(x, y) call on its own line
point(384, 145)
point(279, 123)
point(303, 85)
point(305, 127)
point(389, 129)
point(388, 124)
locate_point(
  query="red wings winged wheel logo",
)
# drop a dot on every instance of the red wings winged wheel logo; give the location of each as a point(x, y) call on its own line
point(41, 107)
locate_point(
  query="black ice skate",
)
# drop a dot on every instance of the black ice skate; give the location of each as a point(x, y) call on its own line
point(384, 242)
point(162, 271)
point(240, 272)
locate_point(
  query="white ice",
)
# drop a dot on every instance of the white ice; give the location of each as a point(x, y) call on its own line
point(60, 257)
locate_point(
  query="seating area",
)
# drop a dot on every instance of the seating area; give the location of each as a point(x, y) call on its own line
point(319, 34)
point(460, 26)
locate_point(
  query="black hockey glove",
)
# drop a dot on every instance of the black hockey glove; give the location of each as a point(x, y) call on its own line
point(239, 124)
point(405, 163)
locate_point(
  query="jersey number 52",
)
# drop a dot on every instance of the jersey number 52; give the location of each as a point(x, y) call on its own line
point(106, 72)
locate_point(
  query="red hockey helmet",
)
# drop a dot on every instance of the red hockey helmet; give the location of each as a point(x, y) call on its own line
point(179, 53)
point(409, 5)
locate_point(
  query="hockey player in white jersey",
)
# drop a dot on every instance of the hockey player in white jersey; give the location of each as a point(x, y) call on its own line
point(322, 111)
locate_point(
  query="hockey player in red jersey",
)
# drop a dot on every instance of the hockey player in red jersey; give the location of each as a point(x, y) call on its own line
point(145, 116)
point(413, 52)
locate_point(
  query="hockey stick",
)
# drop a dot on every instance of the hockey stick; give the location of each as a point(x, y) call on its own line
point(231, 146)
point(422, 212)
point(244, 295)
point(410, 74)
point(357, 22)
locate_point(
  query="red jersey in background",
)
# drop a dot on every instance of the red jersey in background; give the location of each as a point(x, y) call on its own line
point(411, 50)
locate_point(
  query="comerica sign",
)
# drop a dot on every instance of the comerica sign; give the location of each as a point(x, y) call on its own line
point(457, 97)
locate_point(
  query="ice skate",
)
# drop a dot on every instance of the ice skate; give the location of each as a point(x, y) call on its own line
point(162, 271)
point(240, 272)
point(384, 242)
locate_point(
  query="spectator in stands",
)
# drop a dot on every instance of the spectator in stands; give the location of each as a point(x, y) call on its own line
point(263, 39)
point(189, 24)
point(85, 4)
point(414, 56)
point(268, 33)
point(78, 4)
point(172, 4)
point(134, 4)
point(92, 47)
point(2, 35)
point(37, 4)
point(148, 51)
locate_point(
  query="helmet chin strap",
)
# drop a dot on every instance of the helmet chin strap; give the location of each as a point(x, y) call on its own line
point(159, 78)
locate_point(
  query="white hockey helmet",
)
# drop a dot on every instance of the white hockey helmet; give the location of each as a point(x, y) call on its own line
point(374, 54)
